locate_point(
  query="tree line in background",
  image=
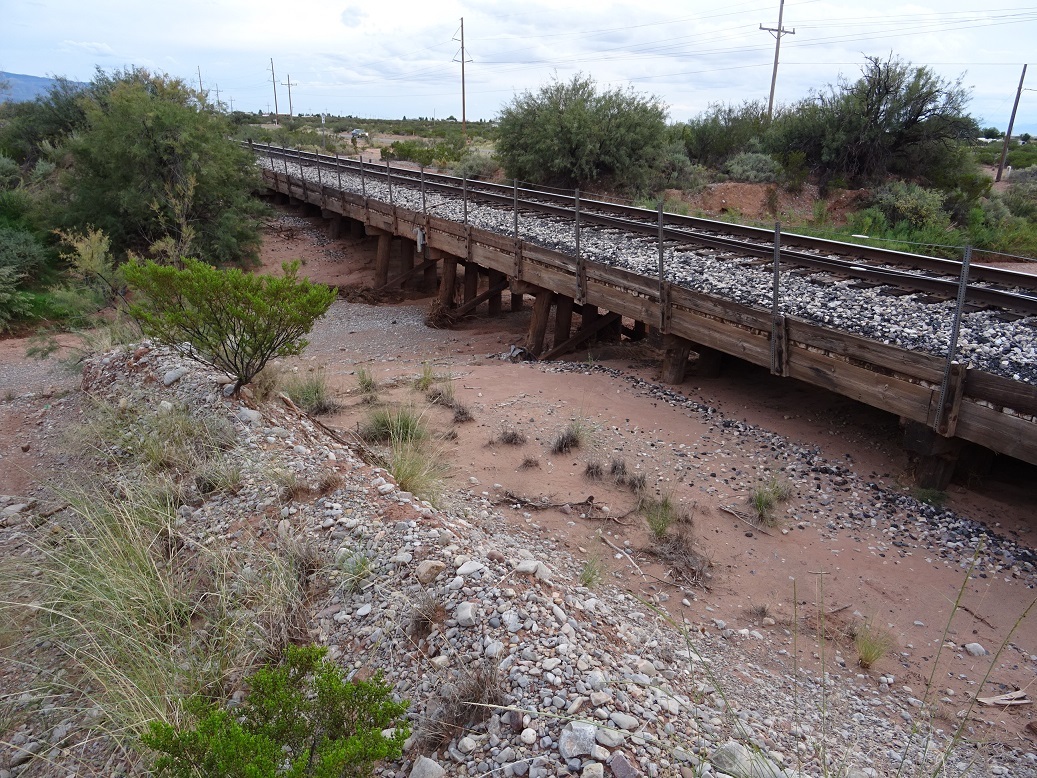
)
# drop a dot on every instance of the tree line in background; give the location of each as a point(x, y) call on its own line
point(136, 162)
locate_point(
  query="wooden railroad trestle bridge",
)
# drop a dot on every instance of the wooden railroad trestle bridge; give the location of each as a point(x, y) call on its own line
point(997, 413)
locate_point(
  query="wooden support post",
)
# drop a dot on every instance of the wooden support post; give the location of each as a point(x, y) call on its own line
point(381, 264)
point(516, 302)
point(640, 330)
point(563, 319)
point(583, 334)
point(408, 248)
point(334, 226)
point(472, 304)
point(471, 281)
point(497, 279)
point(430, 277)
point(446, 287)
point(538, 324)
point(613, 331)
point(707, 361)
point(588, 316)
point(675, 359)
point(357, 229)
point(937, 455)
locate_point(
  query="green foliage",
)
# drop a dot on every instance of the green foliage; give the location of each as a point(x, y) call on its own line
point(311, 392)
point(151, 161)
point(232, 320)
point(423, 152)
point(14, 303)
point(20, 250)
point(395, 424)
point(753, 168)
point(896, 118)
point(919, 207)
point(677, 171)
point(723, 131)
point(475, 164)
point(301, 718)
point(569, 134)
point(10, 173)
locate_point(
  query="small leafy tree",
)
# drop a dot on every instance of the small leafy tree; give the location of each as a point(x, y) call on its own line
point(301, 718)
point(232, 320)
point(570, 134)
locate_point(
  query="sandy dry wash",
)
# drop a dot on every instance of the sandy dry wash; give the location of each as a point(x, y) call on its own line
point(771, 608)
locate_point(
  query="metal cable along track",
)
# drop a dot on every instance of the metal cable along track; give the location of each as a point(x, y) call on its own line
point(1005, 289)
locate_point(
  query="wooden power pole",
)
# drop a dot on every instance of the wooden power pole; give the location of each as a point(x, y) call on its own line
point(1011, 125)
point(777, 32)
point(273, 80)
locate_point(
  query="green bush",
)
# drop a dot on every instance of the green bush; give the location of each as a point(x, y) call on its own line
point(722, 131)
point(301, 718)
point(151, 163)
point(918, 206)
point(14, 303)
point(475, 164)
point(10, 173)
point(20, 250)
point(753, 168)
point(568, 134)
point(232, 320)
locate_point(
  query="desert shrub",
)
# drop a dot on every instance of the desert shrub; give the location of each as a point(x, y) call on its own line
point(722, 131)
point(10, 173)
point(753, 168)
point(918, 206)
point(677, 171)
point(1026, 175)
point(475, 164)
point(20, 250)
point(416, 468)
point(231, 320)
point(301, 718)
point(570, 134)
point(14, 303)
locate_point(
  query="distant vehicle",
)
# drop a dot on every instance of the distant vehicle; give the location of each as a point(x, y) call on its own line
point(358, 134)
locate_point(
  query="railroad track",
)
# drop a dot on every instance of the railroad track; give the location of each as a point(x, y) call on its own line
point(988, 287)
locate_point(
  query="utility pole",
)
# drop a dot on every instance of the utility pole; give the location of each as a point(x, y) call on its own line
point(200, 90)
point(464, 113)
point(218, 98)
point(231, 104)
point(1011, 124)
point(289, 84)
point(273, 80)
point(777, 32)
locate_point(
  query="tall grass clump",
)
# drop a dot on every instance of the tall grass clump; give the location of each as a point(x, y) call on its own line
point(311, 392)
point(145, 616)
point(397, 425)
point(871, 643)
point(416, 467)
point(766, 496)
point(365, 381)
point(661, 513)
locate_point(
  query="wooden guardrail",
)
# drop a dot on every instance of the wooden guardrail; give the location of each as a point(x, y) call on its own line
point(990, 410)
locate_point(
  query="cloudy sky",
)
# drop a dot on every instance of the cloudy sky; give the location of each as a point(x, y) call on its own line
point(402, 57)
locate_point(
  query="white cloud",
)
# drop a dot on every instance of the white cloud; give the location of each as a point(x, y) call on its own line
point(353, 16)
point(99, 49)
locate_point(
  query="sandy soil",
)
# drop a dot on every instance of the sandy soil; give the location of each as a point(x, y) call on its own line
point(706, 468)
point(707, 462)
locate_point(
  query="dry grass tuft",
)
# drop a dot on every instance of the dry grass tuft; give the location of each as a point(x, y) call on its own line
point(529, 463)
point(510, 436)
point(467, 699)
point(871, 643)
point(594, 471)
point(426, 614)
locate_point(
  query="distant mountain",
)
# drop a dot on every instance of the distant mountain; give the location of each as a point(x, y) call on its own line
point(23, 88)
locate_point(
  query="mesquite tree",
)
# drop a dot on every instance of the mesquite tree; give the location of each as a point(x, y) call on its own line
point(229, 319)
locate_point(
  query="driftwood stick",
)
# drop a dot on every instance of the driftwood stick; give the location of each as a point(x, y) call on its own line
point(625, 553)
